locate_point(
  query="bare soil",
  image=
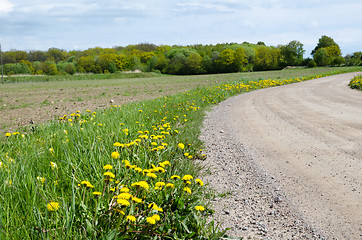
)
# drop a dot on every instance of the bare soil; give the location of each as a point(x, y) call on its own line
point(289, 160)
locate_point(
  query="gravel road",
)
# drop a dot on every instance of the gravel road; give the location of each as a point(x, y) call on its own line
point(289, 161)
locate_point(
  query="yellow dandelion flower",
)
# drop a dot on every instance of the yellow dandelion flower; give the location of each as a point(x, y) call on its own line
point(156, 217)
point(119, 211)
point(151, 175)
point(107, 167)
point(115, 155)
point(123, 202)
point(53, 206)
point(170, 185)
point(53, 165)
point(141, 184)
point(117, 144)
point(124, 190)
point(187, 178)
point(137, 200)
point(124, 196)
point(160, 184)
point(186, 154)
point(109, 175)
point(7, 134)
point(131, 218)
point(151, 220)
point(199, 208)
point(138, 169)
point(97, 193)
point(199, 181)
point(181, 146)
point(187, 189)
point(174, 177)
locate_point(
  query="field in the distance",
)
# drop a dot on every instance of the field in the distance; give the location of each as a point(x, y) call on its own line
point(29, 101)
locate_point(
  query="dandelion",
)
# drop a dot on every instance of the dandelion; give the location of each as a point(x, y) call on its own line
point(156, 217)
point(7, 134)
point(174, 177)
point(97, 193)
point(107, 167)
point(53, 206)
point(181, 146)
point(136, 199)
point(119, 211)
point(109, 175)
point(124, 190)
point(151, 175)
point(151, 220)
point(131, 218)
point(187, 189)
point(160, 184)
point(115, 155)
point(124, 196)
point(123, 202)
point(141, 184)
point(170, 185)
point(199, 181)
point(199, 208)
point(187, 178)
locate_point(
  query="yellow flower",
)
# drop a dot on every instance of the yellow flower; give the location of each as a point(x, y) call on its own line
point(160, 184)
point(174, 177)
point(53, 206)
point(107, 167)
point(7, 134)
point(109, 175)
point(53, 165)
point(97, 193)
point(181, 146)
point(119, 211)
point(141, 184)
point(156, 217)
point(151, 175)
point(138, 169)
point(115, 155)
point(151, 220)
point(131, 218)
point(200, 182)
point(187, 178)
point(170, 185)
point(137, 200)
point(124, 196)
point(124, 190)
point(187, 189)
point(123, 202)
point(199, 208)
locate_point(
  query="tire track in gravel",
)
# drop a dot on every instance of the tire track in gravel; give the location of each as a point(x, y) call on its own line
point(303, 140)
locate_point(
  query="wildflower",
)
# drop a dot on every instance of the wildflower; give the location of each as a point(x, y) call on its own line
point(123, 202)
point(200, 182)
point(186, 154)
point(7, 134)
point(109, 175)
point(41, 179)
point(156, 217)
point(170, 185)
point(131, 218)
point(124, 190)
point(141, 184)
point(53, 165)
point(174, 177)
point(151, 175)
point(151, 220)
point(108, 167)
point(119, 211)
point(124, 196)
point(160, 184)
point(187, 189)
point(51, 150)
point(115, 155)
point(53, 206)
point(187, 178)
point(181, 146)
point(97, 193)
point(190, 156)
point(199, 208)
point(138, 169)
point(136, 199)
point(159, 169)
point(117, 144)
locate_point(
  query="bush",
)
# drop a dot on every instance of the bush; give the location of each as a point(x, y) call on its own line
point(16, 68)
point(312, 64)
point(356, 82)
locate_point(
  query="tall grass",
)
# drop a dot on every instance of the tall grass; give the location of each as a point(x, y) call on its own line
point(126, 172)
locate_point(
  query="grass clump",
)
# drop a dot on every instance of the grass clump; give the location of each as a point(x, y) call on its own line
point(356, 82)
point(127, 172)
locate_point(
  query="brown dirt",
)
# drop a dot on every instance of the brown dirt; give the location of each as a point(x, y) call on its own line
point(291, 159)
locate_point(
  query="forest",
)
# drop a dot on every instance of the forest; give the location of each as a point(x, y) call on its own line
point(176, 60)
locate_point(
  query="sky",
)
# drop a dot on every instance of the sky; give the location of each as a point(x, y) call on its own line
point(82, 24)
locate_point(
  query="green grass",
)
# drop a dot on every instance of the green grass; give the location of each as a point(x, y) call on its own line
point(144, 135)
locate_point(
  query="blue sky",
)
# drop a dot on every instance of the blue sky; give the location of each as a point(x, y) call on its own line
point(83, 24)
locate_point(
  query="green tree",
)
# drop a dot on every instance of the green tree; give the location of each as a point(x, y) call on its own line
point(324, 42)
point(321, 57)
point(194, 64)
point(292, 53)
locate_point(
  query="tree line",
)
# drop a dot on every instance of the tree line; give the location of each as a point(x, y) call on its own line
point(180, 60)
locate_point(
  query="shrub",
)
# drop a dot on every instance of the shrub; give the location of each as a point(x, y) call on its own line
point(356, 82)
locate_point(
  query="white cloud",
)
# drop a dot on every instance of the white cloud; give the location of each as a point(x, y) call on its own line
point(5, 6)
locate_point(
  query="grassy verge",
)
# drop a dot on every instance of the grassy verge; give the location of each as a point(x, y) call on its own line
point(356, 83)
point(126, 172)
